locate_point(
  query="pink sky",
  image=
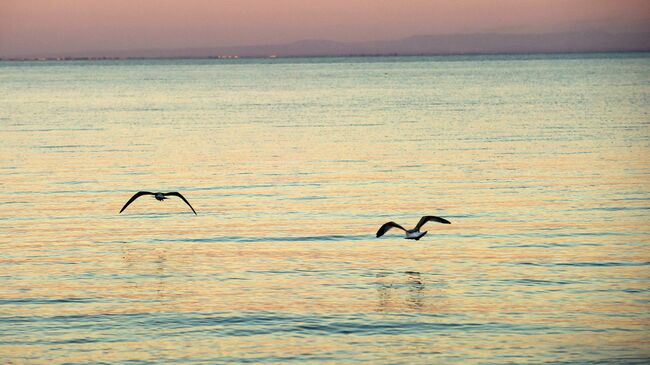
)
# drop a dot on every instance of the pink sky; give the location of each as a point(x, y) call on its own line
point(42, 26)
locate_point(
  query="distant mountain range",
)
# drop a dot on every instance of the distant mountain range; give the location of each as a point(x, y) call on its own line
point(488, 43)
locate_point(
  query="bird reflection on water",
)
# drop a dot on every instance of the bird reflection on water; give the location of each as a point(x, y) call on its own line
point(154, 267)
point(408, 291)
point(415, 299)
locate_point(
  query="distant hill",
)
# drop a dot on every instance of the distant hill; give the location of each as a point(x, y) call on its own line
point(585, 41)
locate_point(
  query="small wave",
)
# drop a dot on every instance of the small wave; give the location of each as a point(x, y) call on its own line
point(74, 182)
point(58, 129)
point(538, 282)
point(588, 264)
point(69, 146)
point(611, 209)
point(243, 324)
point(40, 301)
point(248, 239)
point(347, 161)
point(309, 197)
point(362, 125)
point(547, 245)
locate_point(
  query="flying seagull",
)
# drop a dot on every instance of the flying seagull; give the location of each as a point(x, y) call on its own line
point(158, 196)
point(411, 234)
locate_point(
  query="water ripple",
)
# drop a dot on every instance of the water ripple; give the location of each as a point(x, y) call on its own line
point(246, 239)
point(109, 327)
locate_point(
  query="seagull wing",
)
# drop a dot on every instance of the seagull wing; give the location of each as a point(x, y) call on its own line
point(427, 218)
point(383, 229)
point(134, 197)
point(174, 193)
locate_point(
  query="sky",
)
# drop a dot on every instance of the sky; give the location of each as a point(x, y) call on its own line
point(41, 27)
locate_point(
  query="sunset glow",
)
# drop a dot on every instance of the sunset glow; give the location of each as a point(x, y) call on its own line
point(45, 27)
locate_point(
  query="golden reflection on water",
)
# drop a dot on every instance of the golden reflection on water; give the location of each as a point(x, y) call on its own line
point(546, 256)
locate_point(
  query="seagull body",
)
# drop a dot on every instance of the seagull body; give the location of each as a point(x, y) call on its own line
point(411, 234)
point(158, 196)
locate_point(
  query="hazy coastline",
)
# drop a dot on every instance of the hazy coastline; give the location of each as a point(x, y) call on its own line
point(419, 45)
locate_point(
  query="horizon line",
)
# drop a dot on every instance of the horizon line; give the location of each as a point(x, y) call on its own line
point(352, 55)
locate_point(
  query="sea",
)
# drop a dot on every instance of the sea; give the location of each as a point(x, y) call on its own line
point(540, 162)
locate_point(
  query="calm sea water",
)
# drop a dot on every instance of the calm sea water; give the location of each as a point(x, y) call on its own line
point(542, 163)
